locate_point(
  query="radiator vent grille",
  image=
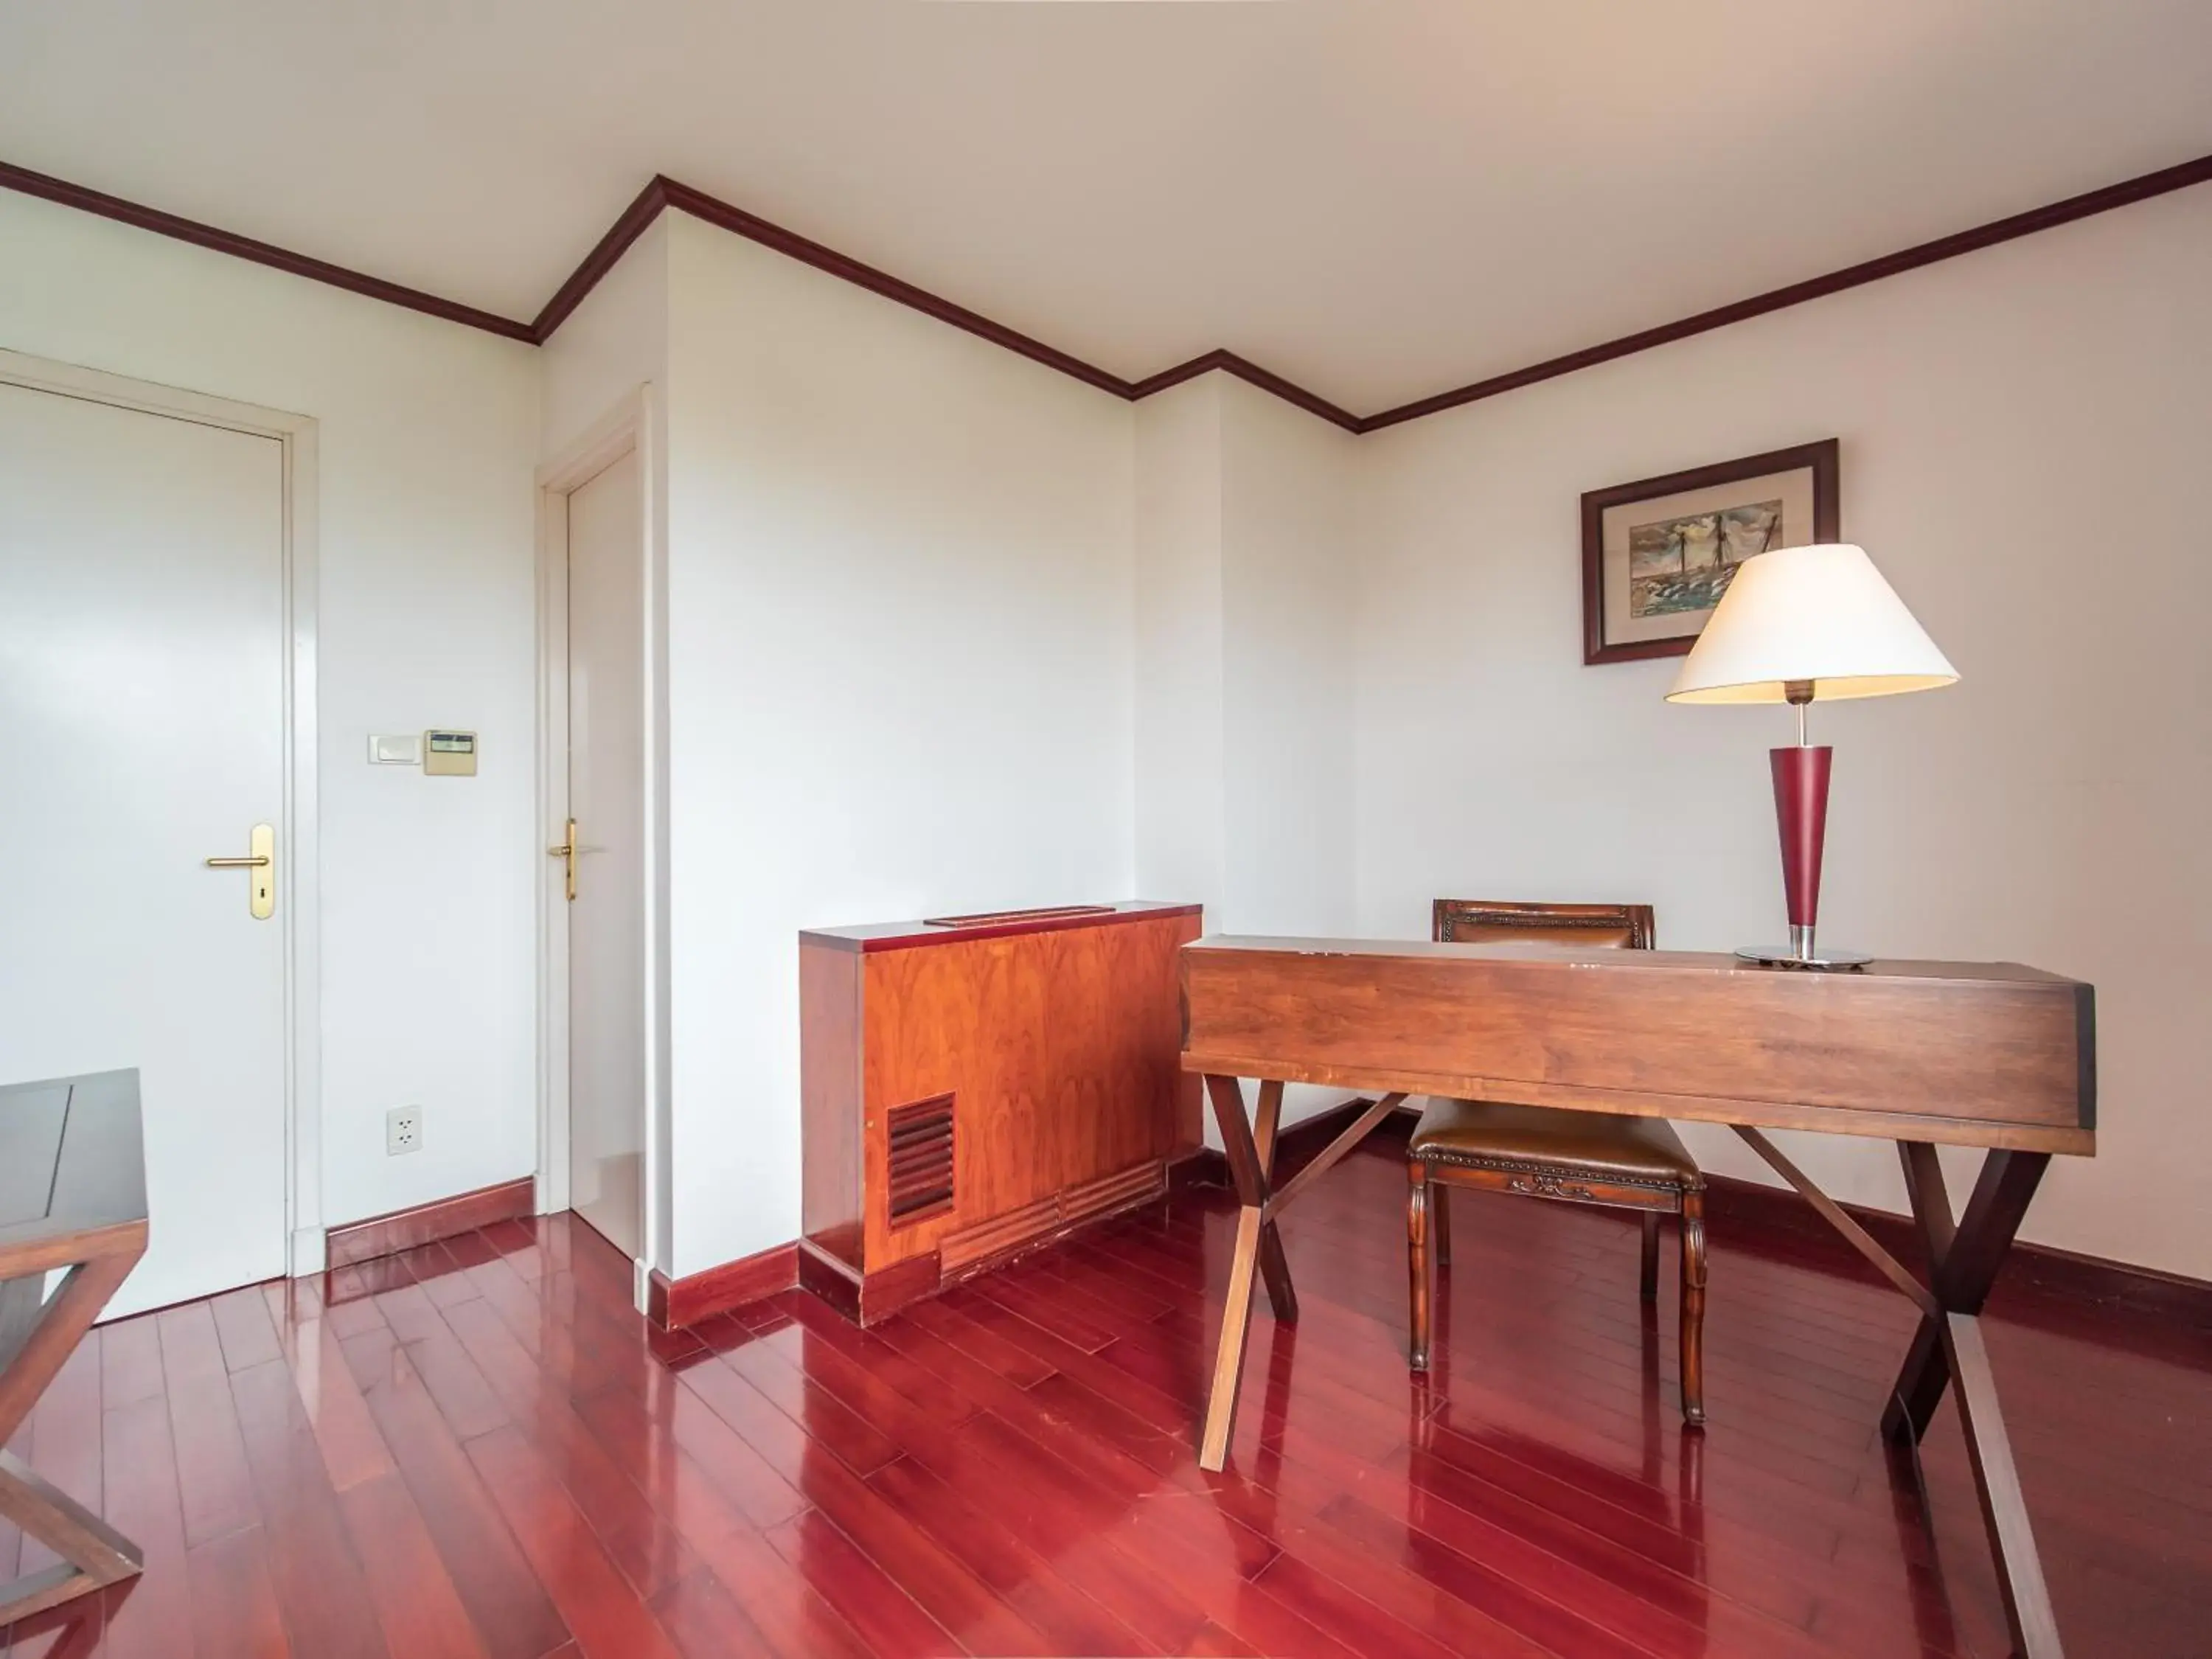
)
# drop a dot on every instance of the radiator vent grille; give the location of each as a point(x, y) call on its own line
point(921, 1147)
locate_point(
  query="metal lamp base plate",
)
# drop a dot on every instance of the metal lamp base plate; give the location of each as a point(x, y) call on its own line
point(1781, 956)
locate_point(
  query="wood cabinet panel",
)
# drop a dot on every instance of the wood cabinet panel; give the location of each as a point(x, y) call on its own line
point(829, 1095)
point(1056, 1035)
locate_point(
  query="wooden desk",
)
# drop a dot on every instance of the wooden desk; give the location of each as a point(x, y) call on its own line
point(1925, 1054)
point(73, 1195)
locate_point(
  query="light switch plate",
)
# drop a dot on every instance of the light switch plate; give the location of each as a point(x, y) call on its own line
point(402, 749)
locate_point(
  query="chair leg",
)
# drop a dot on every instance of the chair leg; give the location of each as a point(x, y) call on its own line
point(1693, 1343)
point(1440, 1222)
point(1416, 1260)
point(1650, 1285)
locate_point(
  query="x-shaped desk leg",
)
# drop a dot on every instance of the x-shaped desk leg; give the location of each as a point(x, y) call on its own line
point(1963, 1262)
point(35, 1338)
point(1274, 1268)
point(1250, 1147)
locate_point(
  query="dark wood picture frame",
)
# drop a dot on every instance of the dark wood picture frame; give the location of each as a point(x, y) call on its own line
point(1824, 460)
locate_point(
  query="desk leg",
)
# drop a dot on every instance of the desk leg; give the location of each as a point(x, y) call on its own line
point(1248, 1167)
point(1963, 1260)
point(1274, 1267)
point(93, 1554)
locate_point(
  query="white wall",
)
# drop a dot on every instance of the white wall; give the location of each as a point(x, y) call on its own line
point(900, 670)
point(2023, 453)
point(1245, 663)
point(1289, 556)
point(1181, 815)
point(614, 342)
point(429, 438)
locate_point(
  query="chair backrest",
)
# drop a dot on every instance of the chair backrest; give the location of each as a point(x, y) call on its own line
point(1482, 922)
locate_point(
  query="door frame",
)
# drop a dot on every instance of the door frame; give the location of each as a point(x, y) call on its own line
point(631, 426)
point(300, 915)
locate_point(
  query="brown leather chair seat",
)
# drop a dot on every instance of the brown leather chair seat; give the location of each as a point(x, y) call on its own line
point(1645, 1150)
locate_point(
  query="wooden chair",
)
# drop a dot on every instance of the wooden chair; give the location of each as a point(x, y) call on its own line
point(1577, 1158)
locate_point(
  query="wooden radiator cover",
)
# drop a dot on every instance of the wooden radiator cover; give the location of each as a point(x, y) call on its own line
point(971, 1087)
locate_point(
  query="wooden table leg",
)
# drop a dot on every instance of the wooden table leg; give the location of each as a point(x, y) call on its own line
point(1250, 1172)
point(1963, 1262)
point(1251, 1163)
point(93, 1554)
point(1964, 1259)
point(1228, 1356)
point(1274, 1267)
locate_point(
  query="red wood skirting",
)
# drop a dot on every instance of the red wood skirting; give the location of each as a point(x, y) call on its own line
point(401, 1230)
point(870, 1299)
point(673, 1304)
point(2031, 1267)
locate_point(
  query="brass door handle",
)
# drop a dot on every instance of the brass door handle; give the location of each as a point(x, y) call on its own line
point(261, 893)
point(567, 850)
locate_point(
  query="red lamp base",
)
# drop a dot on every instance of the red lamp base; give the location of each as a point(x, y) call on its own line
point(1801, 811)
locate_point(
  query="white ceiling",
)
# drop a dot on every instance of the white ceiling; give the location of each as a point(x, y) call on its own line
point(1378, 200)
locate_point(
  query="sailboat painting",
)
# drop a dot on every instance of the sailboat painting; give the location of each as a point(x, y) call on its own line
point(1686, 564)
point(1657, 554)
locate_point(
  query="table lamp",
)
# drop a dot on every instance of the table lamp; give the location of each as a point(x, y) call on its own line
point(1798, 624)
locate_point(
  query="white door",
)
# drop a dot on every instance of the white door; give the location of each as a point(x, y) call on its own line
point(607, 799)
point(142, 731)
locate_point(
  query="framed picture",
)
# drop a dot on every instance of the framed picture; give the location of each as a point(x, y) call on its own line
point(1657, 554)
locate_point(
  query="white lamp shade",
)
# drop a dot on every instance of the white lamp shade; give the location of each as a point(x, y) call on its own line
point(1821, 615)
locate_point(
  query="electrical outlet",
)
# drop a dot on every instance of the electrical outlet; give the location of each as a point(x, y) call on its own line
point(402, 1130)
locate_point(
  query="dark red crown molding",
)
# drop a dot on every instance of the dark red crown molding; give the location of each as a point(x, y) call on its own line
point(632, 223)
point(1229, 363)
point(664, 192)
point(738, 223)
point(2084, 206)
point(261, 253)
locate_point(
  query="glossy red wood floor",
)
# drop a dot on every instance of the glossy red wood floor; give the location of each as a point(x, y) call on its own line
point(479, 1450)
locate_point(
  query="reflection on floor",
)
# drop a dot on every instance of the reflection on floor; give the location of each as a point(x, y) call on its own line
point(479, 1450)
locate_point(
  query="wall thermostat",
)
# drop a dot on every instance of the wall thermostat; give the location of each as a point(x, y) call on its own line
point(449, 754)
